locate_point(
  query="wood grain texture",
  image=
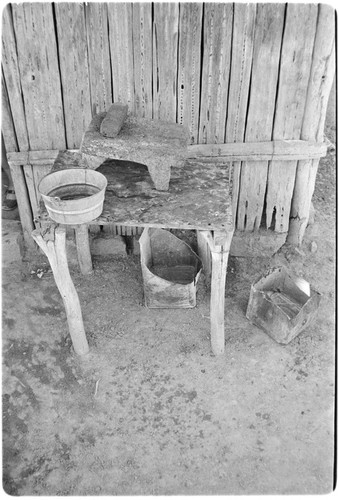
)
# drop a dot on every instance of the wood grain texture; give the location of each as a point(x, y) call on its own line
point(7, 125)
point(296, 59)
point(30, 183)
point(38, 175)
point(142, 51)
point(266, 54)
point(257, 151)
point(23, 203)
point(12, 100)
point(39, 72)
point(98, 56)
point(188, 92)
point(131, 200)
point(218, 18)
point(73, 60)
point(165, 55)
point(121, 49)
point(83, 248)
point(320, 82)
point(241, 63)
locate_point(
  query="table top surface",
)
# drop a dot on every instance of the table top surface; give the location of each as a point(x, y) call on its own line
point(198, 196)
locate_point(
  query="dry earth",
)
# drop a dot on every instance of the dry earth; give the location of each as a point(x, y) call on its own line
point(151, 410)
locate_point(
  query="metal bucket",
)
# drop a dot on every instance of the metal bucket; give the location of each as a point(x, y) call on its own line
point(282, 305)
point(73, 196)
point(170, 270)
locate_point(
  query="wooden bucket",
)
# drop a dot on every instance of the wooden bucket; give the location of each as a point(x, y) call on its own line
point(170, 270)
point(73, 196)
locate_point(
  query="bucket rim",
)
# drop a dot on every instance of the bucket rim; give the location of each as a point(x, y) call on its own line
point(99, 175)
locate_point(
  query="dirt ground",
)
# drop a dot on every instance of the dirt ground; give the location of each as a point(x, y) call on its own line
point(151, 411)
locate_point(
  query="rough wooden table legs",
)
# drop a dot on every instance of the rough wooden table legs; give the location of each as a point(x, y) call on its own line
point(219, 245)
point(83, 249)
point(52, 241)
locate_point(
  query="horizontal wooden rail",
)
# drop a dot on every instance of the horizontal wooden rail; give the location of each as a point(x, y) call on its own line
point(236, 151)
point(258, 151)
point(46, 157)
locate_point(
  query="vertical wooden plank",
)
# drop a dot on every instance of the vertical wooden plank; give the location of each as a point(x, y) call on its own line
point(241, 63)
point(296, 60)
point(142, 46)
point(266, 56)
point(218, 20)
point(11, 78)
point(165, 51)
point(319, 87)
point(39, 173)
point(29, 178)
point(98, 56)
point(7, 126)
point(72, 43)
point(24, 207)
point(83, 248)
point(190, 24)
point(39, 71)
point(17, 173)
point(121, 47)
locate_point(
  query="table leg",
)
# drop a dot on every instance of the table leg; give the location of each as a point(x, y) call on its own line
point(219, 254)
point(52, 241)
point(83, 248)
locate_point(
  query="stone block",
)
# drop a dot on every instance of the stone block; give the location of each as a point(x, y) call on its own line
point(157, 144)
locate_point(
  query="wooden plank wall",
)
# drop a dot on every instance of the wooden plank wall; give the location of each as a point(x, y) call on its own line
point(230, 72)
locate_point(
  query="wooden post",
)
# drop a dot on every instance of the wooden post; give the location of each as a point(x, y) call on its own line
point(319, 87)
point(53, 243)
point(204, 254)
point(24, 205)
point(219, 255)
point(83, 249)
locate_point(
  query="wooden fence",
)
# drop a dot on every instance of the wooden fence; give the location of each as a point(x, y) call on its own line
point(231, 72)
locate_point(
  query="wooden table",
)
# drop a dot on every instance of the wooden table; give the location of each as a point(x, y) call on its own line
point(198, 198)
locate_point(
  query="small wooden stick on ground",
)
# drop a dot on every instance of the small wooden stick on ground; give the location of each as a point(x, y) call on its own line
point(53, 244)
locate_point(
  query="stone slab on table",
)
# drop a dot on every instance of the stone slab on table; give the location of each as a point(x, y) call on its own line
point(157, 144)
point(198, 196)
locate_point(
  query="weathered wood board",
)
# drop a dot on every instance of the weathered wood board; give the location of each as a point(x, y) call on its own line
point(12, 101)
point(241, 63)
point(218, 18)
point(321, 77)
point(198, 197)
point(256, 151)
point(121, 49)
point(211, 66)
point(189, 68)
point(39, 73)
point(74, 72)
point(296, 58)
point(165, 54)
point(266, 54)
point(142, 52)
point(98, 56)
point(7, 125)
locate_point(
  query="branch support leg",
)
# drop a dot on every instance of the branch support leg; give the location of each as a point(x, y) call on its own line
point(52, 241)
